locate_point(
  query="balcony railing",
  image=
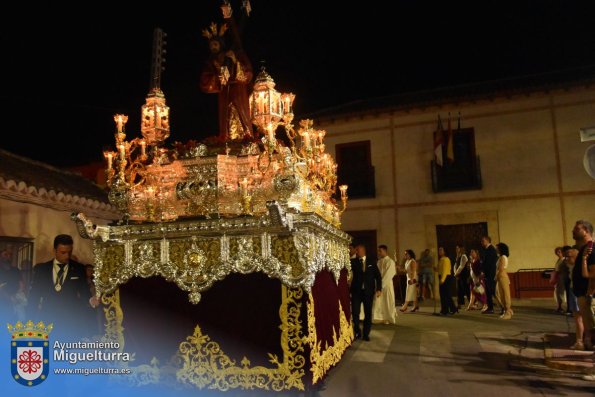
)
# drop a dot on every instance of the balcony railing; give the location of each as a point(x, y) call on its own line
point(456, 177)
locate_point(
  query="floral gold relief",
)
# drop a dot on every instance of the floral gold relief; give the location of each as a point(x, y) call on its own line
point(324, 358)
point(114, 332)
point(196, 254)
point(205, 365)
point(284, 249)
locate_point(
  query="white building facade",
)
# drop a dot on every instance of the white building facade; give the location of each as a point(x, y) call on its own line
point(533, 182)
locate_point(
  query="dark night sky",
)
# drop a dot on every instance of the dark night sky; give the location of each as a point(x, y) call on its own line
point(65, 77)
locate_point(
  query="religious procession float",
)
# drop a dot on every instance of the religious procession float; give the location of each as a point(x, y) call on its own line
point(228, 269)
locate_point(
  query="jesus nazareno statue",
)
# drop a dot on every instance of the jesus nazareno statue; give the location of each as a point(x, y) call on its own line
point(228, 72)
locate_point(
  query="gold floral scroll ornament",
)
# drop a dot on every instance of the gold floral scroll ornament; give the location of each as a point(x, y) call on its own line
point(205, 365)
point(322, 360)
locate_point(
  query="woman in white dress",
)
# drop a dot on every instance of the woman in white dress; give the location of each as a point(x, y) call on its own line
point(384, 305)
point(411, 270)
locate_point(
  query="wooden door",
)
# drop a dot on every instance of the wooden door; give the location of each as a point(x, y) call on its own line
point(468, 234)
point(367, 238)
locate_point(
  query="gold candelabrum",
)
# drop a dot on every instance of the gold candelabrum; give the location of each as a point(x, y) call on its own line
point(149, 182)
point(270, 110)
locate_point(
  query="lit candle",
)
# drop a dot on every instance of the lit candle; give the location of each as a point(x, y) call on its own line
point(120, 120)
point(306, 136)
point(321, 134)
point(122, 151)
point(271, 133)
point(287, 101)
point(158, 117)
point(261, 102)
point(143, 148)
point(325, 161)
point(343, 189)
point(119, 124)
point(108, 156)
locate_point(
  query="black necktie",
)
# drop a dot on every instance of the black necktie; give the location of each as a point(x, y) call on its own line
point(58, 284)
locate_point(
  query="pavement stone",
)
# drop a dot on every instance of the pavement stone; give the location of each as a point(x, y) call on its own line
point(543, 352)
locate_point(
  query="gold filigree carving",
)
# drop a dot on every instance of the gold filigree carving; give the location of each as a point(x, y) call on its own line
point(322, 360)
point(283, 248)
point(205, 365)
point(108, 266)
point(195, 262)
point(114, 332)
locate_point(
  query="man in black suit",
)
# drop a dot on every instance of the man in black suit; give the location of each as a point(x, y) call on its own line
point(59, 290)
point(488, 268)
point(365, 282)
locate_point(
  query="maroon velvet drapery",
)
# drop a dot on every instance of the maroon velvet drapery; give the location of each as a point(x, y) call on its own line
point(240, 313)
point(327, 294)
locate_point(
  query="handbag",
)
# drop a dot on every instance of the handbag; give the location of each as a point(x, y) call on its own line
point(478, 289)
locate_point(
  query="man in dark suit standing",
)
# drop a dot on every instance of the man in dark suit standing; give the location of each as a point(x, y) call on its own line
point(365, 283)
point(59, 291)
point(488, 268)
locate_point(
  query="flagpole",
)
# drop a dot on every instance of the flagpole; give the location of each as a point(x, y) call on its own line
point(439, 143)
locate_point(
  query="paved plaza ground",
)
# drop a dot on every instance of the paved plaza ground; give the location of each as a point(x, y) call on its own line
point(467, 354)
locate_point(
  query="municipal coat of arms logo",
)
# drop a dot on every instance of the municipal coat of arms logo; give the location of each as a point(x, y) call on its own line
point(29, 352)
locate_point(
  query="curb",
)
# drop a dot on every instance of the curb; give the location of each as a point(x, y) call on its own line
point(568, 366)
point(561, 364)
point(543, 369)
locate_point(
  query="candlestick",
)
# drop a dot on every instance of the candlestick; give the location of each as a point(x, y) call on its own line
point(143, 148)
point(321, 134)
point(306, 136)
point(122, 149)
point(246, 199)
point(343, 189)
point(109, 156)
point(120, 120)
